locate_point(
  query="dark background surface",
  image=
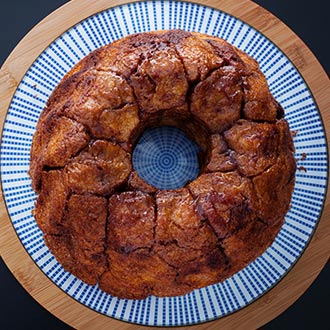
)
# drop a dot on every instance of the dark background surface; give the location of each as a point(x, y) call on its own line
point(310, 21)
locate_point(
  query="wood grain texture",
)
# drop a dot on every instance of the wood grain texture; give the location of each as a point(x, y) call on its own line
point(286, 292)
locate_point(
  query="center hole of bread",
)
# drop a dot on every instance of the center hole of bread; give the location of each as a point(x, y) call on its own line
point(166, 158)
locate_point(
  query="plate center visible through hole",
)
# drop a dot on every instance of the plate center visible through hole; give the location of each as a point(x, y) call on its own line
point(166, 158)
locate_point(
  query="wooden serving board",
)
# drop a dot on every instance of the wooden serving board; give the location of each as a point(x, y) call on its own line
point(270, 305)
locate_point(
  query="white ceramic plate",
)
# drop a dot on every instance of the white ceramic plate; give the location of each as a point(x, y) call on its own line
point(289, 89)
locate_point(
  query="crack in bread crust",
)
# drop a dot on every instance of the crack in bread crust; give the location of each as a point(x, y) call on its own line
point(105, 224)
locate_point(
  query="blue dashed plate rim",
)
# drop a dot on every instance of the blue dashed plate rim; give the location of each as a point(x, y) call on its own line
point(288, 87)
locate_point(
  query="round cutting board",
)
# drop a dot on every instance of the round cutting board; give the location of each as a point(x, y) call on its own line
point(78, 315)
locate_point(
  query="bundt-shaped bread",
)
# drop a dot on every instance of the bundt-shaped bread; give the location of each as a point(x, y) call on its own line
point(105, 224)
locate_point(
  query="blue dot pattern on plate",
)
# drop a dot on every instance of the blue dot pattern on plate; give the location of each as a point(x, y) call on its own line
point(285, 83)
point(166, 158)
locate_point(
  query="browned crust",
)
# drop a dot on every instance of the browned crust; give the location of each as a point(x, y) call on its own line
point(103, 222)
